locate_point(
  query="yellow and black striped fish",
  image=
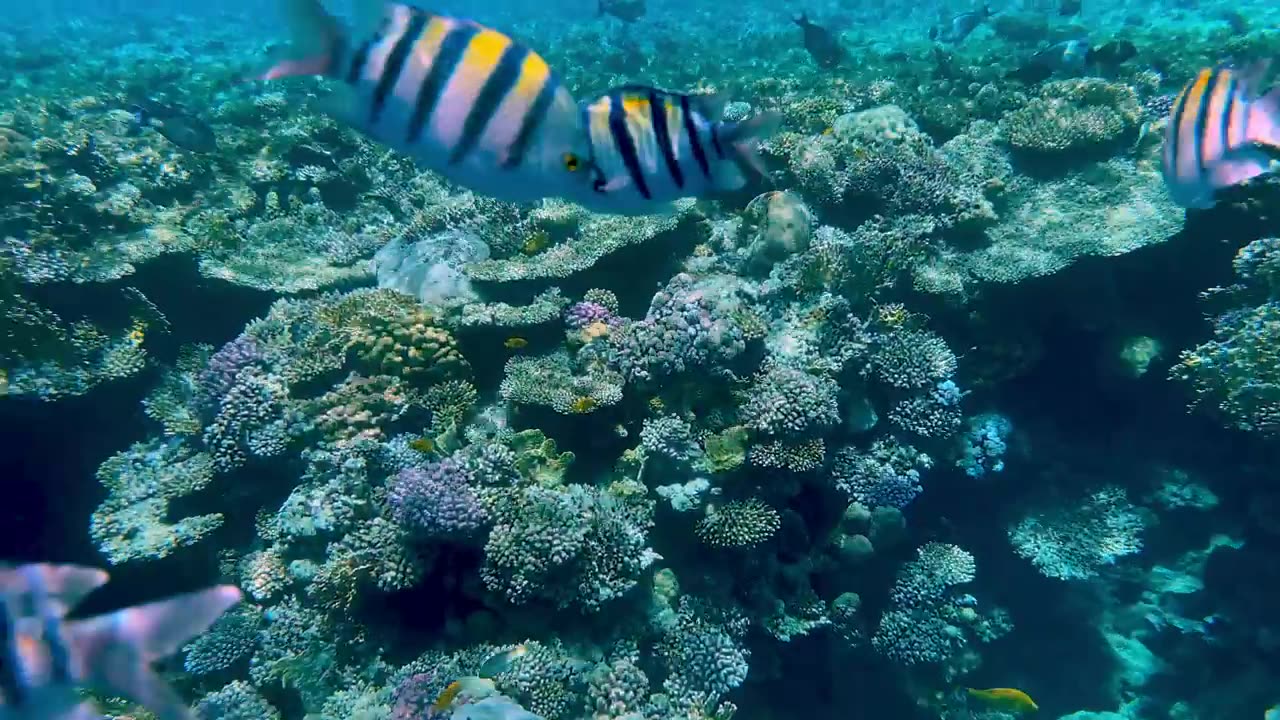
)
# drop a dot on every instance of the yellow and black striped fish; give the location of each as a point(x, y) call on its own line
point(462, 99)
point(1221, 133)
point(650, 147)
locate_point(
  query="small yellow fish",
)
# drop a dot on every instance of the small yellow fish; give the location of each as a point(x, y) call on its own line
point(423, 445)
point(583, 404)
point(536, 242)
point(515, 343)
point(500, 662)
point(828, 131)
point(468, 686)
point(1010, 700)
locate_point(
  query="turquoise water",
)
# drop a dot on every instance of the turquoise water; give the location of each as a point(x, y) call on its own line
point(954, 396)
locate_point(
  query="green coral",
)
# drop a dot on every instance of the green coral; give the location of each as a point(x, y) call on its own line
point(537, 459)
point(725, 450)
point(408, 345)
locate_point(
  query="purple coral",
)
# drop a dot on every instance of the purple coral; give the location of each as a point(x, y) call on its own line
point(224, 366)
point(414, 697)
point(436, 502)
point(581, 314)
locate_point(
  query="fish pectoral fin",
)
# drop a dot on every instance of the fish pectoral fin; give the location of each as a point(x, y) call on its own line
point(152, 631)
point(116, 649)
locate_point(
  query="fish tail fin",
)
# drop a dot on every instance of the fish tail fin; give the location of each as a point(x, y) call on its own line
point(745, 137)
point(1264, 120)
point(317, 37)
point(802, 19)
point(114, 651)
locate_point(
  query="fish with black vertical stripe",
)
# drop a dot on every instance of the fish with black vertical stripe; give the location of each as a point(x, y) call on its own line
point(45, 659)
point(1221, 132)
point(462, 99)
point(650, 147)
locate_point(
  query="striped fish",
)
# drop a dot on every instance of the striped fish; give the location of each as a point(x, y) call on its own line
point(45, 659)
point(1220, 133)
point(650, 147)
point(462, 99)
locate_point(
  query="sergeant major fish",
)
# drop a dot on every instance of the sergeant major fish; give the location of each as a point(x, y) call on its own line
point(1221, 133)
point(46, 658)
point(650, 147)
point(462, 99)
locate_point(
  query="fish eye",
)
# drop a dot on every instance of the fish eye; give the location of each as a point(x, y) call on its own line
point(571, 162)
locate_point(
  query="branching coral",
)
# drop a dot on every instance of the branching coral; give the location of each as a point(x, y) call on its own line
point(436, 501)
point(790, 403)
point(132, 523)
point(408, 345)
point(886, 475)
point(576, 547)
point(1073, 116)
point(690, 323)
point(908, 358)
point(1076, 541)
point(561, 383)
point(741, 523)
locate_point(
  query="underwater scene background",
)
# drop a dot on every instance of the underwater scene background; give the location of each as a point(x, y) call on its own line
point(955, 414)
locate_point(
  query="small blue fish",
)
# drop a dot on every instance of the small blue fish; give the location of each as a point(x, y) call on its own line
point(45, 659)
point(463, 100)
point(650, 147)
point(1221, 132)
